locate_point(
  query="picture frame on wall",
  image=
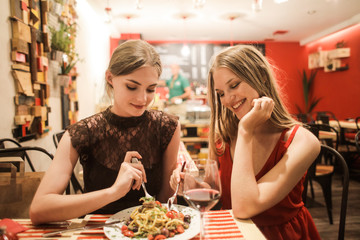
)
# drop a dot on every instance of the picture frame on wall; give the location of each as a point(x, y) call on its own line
point(313, 60)
point(317, 59)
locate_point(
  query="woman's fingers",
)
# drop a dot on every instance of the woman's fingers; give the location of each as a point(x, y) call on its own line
point(134, 154)
point(176, 177)
point(263, 104)
point(140, 167)
point(133, 176)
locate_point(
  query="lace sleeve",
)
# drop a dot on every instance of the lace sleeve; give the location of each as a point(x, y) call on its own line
point(79, 134)
point(168, 127)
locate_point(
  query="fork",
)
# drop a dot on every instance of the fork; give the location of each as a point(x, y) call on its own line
point(147, 195)
point(171, 199)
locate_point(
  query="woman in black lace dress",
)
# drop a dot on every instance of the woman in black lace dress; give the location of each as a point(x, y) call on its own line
point(106, 142)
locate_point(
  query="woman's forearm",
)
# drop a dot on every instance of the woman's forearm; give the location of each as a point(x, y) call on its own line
point(244, 188)
point(56, 207)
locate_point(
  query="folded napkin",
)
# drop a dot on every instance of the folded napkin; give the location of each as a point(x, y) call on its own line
point(12, 226)
point(220, 224)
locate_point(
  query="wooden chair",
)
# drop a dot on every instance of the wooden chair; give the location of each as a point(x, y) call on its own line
point(74, 180)
point(331, 160)
point(325, 116)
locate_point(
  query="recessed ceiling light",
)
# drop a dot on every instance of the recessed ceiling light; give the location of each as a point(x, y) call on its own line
point(280, 32)
point(233, 15)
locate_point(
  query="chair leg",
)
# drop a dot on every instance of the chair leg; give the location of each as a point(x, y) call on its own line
point(325, 184)
point(29, 162)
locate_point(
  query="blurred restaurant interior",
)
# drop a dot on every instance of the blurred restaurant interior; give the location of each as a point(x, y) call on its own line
point(55, 54)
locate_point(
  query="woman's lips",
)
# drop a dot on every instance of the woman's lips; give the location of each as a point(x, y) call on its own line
point(237, 105)
point(138, 106)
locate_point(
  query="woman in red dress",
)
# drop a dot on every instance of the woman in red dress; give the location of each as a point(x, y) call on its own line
point(262, 151)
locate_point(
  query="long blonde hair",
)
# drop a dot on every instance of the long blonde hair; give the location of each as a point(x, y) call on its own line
point(130, 56)
point(247, 63)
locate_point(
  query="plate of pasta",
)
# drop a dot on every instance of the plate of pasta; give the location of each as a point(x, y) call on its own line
point(153, 221)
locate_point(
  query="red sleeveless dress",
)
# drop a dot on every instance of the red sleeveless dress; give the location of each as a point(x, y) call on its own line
point(289, 219)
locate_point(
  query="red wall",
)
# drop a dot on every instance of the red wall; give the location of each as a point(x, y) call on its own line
point(340, 90)
point(287, 59)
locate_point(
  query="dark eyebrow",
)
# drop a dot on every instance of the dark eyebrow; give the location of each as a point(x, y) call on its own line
point(133, 81)
point(137, 83)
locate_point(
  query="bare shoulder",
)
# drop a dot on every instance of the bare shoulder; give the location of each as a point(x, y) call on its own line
point(304, 134)
point(305, 141)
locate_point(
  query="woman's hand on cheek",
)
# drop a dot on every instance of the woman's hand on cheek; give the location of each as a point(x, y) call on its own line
point(260, 113)
point(263, 107)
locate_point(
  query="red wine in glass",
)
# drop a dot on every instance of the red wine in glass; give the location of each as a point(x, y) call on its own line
point(202, 187)
point(202, 198)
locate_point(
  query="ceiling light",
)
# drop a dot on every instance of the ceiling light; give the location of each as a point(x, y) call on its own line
point(139, 4)
point(185, 50)
point(108, 16)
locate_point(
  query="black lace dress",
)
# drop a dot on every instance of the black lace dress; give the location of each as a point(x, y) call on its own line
point(102, 141)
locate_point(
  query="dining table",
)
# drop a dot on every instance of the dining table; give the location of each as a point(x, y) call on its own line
point(347, 131)
point(327, 135)
point(219, 224)
point(343, 124)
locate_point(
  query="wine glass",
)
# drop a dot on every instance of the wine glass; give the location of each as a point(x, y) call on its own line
point(202, 187)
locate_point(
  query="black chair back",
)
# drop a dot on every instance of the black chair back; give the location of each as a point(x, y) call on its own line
point(20, 151)
point(357, 141)
point(23, 155)
point(57, 137)
point(331, 156)
point(357, 122)
point(74, 181)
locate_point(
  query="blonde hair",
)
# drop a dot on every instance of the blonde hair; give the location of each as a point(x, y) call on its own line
point(130, 56)
point(247, 63)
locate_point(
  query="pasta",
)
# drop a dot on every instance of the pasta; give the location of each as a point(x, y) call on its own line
point(153, 221)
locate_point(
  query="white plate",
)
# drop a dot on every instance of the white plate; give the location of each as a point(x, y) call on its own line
point(114, 232)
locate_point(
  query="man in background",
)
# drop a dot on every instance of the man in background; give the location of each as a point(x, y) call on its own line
point(179, 86)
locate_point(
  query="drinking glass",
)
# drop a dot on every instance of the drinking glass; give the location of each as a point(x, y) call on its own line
point(202, 187)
